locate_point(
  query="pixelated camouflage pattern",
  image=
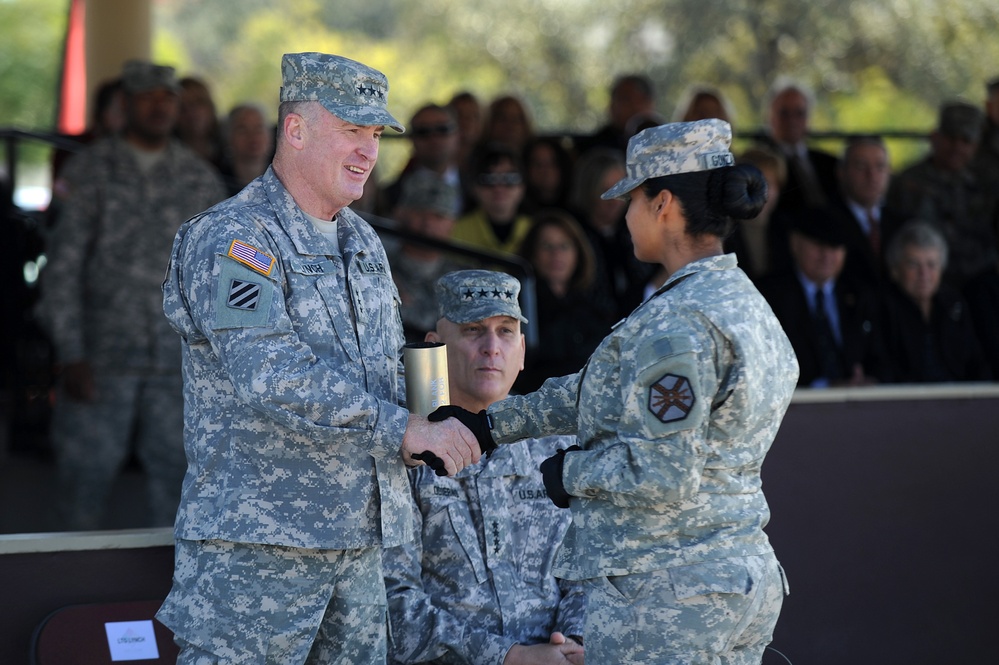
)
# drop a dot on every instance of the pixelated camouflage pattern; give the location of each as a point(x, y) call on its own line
point(721, 611)
point(235, 603)
point(475, 295)
point(426, 190)
point(101, 303)
point(93, 441)
point(293, 425)
point(678, 147)
point(139, 76)
point(480, 578)
point(349, 90)
point(417, 280)
point(648, 494)
point(101, 284)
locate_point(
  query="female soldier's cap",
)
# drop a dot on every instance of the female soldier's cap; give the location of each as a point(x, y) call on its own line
point(679, 147)
point(349, 90)
point(464, 296)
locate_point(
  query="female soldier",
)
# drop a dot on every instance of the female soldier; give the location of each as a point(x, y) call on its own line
point(674, 413)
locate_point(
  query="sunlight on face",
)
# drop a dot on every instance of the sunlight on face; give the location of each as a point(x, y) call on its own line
point(339, 156)
point(483, 358)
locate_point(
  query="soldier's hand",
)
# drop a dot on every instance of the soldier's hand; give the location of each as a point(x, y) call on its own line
point(449, 441)
point(480, 424)
point(545, 654)
point(78, 381)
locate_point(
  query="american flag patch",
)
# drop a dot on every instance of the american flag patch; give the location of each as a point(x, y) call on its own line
point(243, 295)
point(251, 256)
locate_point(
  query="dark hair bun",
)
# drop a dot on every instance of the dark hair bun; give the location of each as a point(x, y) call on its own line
point(742, 191)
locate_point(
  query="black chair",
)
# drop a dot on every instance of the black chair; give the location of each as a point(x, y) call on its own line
point(81, 634)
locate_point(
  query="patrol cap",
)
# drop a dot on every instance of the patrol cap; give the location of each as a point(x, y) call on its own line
point(464, 296)
point(425, 190)
point(140, 76)
point(349, 90)
point(961, 119)
point(678, 147)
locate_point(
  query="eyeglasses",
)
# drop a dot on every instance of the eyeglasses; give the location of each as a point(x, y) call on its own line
point(499, 179)
point(432, 130)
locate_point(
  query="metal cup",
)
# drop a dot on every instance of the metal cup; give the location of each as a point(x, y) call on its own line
point(426, 376)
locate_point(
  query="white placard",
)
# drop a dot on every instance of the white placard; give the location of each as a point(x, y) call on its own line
point(132, 640)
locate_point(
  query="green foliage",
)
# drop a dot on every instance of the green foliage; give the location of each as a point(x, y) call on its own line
point(873, 64)
point(31, 36)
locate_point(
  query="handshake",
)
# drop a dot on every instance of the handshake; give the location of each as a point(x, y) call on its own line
point(457, 448)
point(447, 449)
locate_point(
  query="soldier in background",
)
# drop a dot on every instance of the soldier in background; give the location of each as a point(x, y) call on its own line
point(120, 203)
point(477, 585)
point(428, 207)
point(986, 162)
point(943, 189)
point(292, 383)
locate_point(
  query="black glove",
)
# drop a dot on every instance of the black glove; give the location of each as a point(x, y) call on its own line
point(480, 423)
point(551, 474)
point(433, 461)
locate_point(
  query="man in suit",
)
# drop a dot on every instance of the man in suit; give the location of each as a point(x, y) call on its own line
point(831, 323)
point(811, 174)
point(863, 173)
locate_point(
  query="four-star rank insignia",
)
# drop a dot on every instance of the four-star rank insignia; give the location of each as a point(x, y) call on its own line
point(671, 398)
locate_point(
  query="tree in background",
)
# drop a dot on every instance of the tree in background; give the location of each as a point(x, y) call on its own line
point(874, 64)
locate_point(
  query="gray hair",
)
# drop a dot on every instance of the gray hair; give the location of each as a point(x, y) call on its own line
point(916, 233)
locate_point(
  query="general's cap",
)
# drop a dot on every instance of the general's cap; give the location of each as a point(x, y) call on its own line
point(678, 147)
point(349, 90)
point(464, 296)
point(141, 76)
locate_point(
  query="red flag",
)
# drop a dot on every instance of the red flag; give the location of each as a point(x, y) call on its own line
point(72, 108)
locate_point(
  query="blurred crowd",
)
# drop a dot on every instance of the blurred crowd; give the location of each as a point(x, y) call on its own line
point(877, 277)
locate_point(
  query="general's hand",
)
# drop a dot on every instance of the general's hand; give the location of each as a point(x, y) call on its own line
point(449, 440)
point(545, 654)
point(78, 381)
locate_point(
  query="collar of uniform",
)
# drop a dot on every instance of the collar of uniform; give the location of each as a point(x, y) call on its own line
point(719, 262)
point(507, 460)
point(308, 240)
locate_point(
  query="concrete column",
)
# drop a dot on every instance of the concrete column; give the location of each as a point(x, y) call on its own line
point(117, 30)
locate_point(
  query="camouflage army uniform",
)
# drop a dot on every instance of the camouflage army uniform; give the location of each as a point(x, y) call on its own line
point(675, 412)
point(960, 206)
point(415, 280)
point(489, 537)
point(102, 305)
point(292, 379)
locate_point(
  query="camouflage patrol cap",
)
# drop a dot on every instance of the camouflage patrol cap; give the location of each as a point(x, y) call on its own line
point(464, 296)
point(962, 120)
point(425, 190)
point(349, 90)
point(140, 76)
point(678, 147)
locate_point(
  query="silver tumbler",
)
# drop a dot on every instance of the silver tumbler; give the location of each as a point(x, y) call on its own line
point(426, 376)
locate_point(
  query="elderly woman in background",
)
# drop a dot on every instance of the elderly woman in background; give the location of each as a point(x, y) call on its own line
point(928, 332)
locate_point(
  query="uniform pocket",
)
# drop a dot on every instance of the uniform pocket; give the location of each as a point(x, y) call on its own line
point(701, 579)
